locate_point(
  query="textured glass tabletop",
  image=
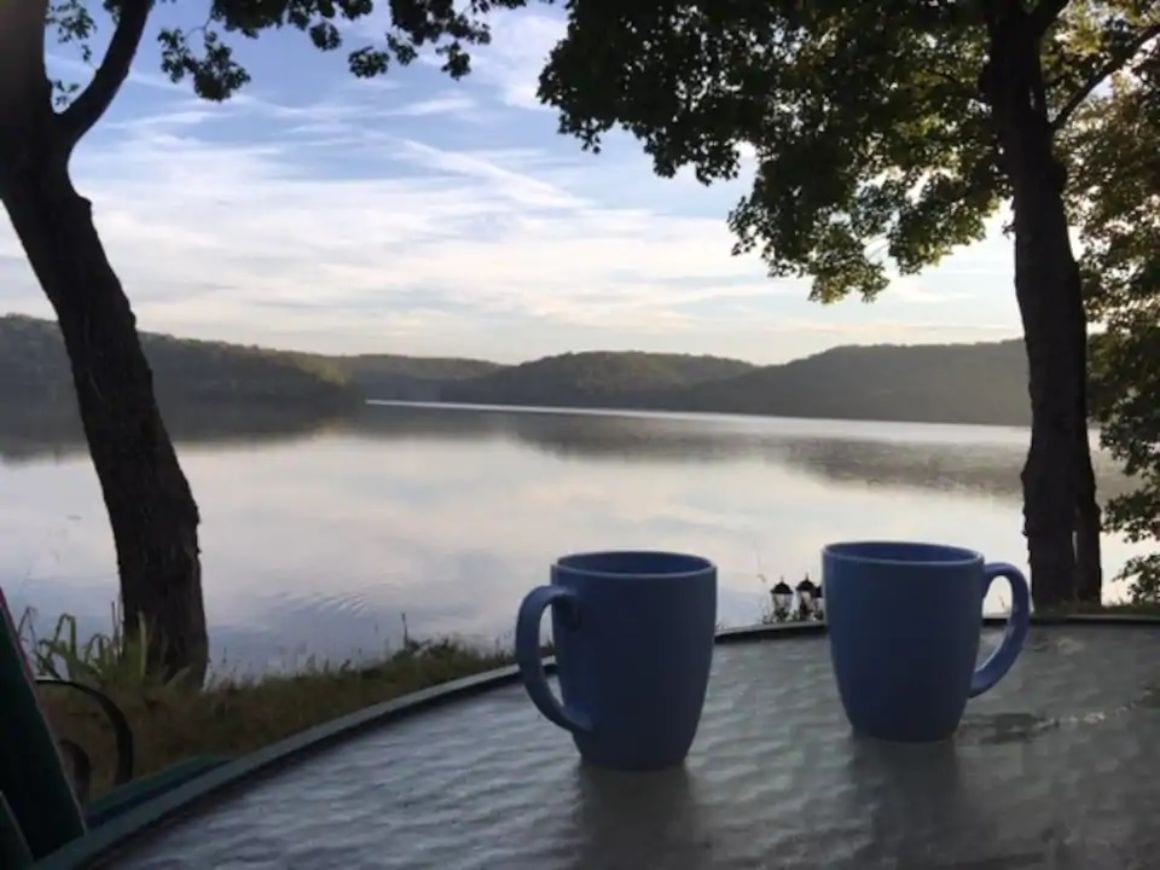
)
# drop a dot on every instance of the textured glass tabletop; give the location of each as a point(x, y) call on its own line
point(1058, 766)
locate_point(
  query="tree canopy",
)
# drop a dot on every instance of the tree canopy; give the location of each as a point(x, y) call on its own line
point(868, 121)
point(205, 54)
point(1116, 205)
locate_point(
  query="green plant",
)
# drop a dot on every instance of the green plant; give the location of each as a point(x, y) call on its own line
point(1114, 153)
point(102, 660)
point(229, 715)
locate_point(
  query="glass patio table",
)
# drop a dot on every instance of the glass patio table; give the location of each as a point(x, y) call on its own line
point(1059, 765)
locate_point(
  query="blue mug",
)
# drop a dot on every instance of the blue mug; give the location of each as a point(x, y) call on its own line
point(904, 622)
point(633, 633)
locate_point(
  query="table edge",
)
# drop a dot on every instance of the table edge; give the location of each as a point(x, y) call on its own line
point(100, 842)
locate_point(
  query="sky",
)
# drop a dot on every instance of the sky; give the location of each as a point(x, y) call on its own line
point(415, 214)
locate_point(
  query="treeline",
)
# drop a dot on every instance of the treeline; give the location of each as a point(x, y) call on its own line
point(952, 383)
point(942, 383)
point(955, 383)
point(410, 378)
point(34, 368)
point(600, 378)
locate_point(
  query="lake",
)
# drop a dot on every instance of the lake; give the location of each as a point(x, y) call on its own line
point(320, 537)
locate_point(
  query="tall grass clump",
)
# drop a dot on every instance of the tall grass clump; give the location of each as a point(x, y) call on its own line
point(228, 716)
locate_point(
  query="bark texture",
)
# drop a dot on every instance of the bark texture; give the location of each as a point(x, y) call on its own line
point(1061, 518)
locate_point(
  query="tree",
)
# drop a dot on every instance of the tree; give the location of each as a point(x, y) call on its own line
point(1127, 380)
point(1115, 202)
point(151, 509)
point(886, 130)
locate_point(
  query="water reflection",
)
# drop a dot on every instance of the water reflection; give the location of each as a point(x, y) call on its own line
point(46, 430)
point(648, 819)
point(320, 533)
point(920, 807)
point(933, 456)
point(930, 456)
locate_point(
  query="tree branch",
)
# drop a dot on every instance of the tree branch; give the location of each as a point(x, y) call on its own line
point(1116, 63)
point(1044, 15)
point(88, 108)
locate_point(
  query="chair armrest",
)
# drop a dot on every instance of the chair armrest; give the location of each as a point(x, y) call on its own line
point(122, 733)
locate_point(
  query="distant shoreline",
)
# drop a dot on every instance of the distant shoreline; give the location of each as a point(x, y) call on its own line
point(984, 383)
point(647, 413)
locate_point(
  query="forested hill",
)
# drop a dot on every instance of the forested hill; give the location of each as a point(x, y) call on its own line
point(610, 379)
point(414, 378)
point(953, 383)
point(33, 367)
point(947, 383)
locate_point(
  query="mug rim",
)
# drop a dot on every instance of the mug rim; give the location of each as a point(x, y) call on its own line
point(958, 556)
point(703, 565)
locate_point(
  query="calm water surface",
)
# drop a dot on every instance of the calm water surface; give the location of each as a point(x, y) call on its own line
point(317, 539)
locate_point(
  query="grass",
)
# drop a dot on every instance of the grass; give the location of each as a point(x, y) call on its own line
point(172, 721)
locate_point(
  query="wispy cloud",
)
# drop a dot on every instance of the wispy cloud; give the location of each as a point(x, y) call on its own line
point(381, 216)
point(73, 69)
point(455, 253)
point(520, 45)
point(206, 232)
point(172, 118)
point(441, 104)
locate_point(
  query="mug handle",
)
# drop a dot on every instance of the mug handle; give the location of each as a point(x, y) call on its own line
point(528, 654)
point(1000, 661)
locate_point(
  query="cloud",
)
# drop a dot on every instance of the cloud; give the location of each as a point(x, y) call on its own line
point(208, 234)
point(509, 66)
point(448, 102)
point(73, 69)
point(193, 116)
point(451, 251)
point(522, 187)
point(873, 329)
point(918, 292)
point(371, 219)
point(519, 49)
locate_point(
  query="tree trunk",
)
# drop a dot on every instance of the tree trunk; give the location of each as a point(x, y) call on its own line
point(1055, 492)
point(1089, 573)
point(151, 509)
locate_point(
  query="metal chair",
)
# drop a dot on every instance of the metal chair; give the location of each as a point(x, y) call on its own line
point(40, 809)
